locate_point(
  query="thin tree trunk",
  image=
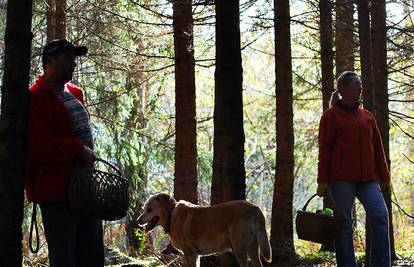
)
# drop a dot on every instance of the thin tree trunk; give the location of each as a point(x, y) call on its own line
point(368, 93)
point(282, 217)
point(56, 19)
point(327, 57)
point(138, 174)
point(409, 53)
point(228, 162)
point(13, 122)
point(50, 20)
point(364, 30)
point(185, 176)
point(379, 54)
point(60, 23)
point(326, 38)
point(344, 36)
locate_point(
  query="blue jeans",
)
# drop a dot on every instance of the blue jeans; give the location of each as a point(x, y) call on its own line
point(74, 239)
point(370, 196)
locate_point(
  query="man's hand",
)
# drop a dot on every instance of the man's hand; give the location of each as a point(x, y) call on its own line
point(322, 189)
point(88, 156)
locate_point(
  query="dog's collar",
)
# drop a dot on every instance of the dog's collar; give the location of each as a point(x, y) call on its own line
point(167, 227)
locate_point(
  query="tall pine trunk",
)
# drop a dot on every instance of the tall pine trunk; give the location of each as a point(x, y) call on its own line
point(60, 23)
point(379, 55)
point(13, 126)
point(327, 57)
point(364, 29)
point(56, 19)
point(368, 93)
point(185, 176)
point(228, 160)
point(282, 217)
point(50, 20)
point(344, 36)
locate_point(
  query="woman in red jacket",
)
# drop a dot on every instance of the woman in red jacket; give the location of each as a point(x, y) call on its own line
point(352, 164)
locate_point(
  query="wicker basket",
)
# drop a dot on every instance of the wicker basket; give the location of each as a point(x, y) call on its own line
point(316, 227)
point(101, 194)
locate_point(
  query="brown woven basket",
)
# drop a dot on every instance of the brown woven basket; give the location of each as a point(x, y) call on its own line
point(316, 227)
point(101, 194)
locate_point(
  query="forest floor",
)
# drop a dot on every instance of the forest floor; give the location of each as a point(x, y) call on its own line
point(173, 260)
point(116, 259)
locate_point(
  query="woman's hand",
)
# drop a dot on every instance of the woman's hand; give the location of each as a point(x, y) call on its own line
point(322, 189)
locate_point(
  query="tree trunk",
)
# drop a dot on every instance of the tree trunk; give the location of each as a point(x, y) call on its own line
point(282, 221)
point(56, 19)
point(50, 20)
point(327, 57)
point(228, 163)
point(344, 36)
point(409, 42)
point(60, 24)
point(138, 174)
point(13, 125)
point(185, 176)
point(364, 30)
point(368, 93)
point(379, 54)
point(326, 37)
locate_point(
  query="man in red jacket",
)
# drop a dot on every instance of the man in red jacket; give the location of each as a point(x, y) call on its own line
point(59, 142)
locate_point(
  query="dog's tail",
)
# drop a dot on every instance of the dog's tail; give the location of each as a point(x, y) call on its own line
point(264, 243)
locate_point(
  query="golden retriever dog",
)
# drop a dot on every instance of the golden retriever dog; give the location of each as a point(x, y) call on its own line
point(234, 226)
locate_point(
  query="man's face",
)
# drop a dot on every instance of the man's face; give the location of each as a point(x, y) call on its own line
point(63, 66)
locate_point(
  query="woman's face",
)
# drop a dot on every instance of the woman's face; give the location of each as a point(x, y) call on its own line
point(351, 93)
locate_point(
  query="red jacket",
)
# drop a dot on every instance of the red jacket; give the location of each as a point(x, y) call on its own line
point(350, 147)
point(51, 150)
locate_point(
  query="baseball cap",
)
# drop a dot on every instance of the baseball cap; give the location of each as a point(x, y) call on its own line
point(63, 45)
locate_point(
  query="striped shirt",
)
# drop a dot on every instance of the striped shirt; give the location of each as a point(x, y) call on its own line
point(79, 117)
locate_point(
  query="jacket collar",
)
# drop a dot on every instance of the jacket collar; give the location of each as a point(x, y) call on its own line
point(41, 84)
point(347, 108)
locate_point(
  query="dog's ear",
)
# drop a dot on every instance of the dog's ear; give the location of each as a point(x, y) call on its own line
point(172, 201)
point(165, 199)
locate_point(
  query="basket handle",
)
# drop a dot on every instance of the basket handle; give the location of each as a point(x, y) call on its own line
point(110, 165)
point(307, 202)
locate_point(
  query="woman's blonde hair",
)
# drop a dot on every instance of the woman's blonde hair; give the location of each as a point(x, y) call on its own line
point(344, 79)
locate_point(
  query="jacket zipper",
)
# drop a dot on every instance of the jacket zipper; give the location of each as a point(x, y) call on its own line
point(360, 147)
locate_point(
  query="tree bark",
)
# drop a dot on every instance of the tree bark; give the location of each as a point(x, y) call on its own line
point(327, 57)
point(13, 125)
point(344, 36)
point(56, 19)
point(185, 175)
point(379, 55)
point(60, 24)
point(282, 221)
point(228, 161)
point(50, 20)
point(364, 30)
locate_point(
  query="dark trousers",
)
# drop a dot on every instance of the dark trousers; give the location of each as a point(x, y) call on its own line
point(74, 239)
